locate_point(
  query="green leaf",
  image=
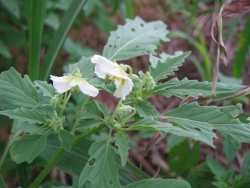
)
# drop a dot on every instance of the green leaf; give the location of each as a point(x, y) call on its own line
point(37, 9)
point(52, 21)
point(60, 35)
point(128, 9)
point(27, 148)
point(77, 155)
point(103, 21)
point(184, 88)
point(45, 89)
point(217, 169)
point(60, 5)
point(246, 166)
point(159, 183)
point(196, 132)
point(166, 64)
point(102, 168)
point(135, 38)
point(33, 115)
point(26, 127)
point(229, 80)
point(231, 146)
point(90, 6)
point(16, 92)
point(205, 119)
point(173, 141)
point(4, 51)
point(85, 66)
point(122, 143)
point(2, 183)
point(66, 140)
point(178, 160)
point(242, 51)
point(146, 110)
point(201, 176)
point(76, 50)
point(12, 6)
point(232, 110)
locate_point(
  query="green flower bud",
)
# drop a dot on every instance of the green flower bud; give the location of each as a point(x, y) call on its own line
point(56, 123)
point(56, 100)
point(149, 82)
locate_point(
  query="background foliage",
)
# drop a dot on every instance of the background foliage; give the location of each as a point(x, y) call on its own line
point(182, 134)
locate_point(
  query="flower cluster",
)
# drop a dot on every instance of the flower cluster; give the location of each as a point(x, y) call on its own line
point(104, 69)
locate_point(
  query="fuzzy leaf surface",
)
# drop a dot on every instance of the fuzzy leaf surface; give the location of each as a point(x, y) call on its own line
point(135, 38)
point(166, 64)
point(159, 183)
point(16, 91)
point(102, 168)
point(29, 147)
point(184, 88)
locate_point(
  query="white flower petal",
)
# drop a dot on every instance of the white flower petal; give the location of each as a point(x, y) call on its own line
point(123, 88)
point(99, 71)
point(61, 84)
point(104, 67)
point(88, 89)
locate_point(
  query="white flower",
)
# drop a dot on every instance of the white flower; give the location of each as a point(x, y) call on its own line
point(65, 83)
point(104, 68)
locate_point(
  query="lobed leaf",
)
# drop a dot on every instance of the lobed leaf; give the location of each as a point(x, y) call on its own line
point(77, 155)
point(209, 118)
point(203, 134)
point(34, 115)
point(184, 88)
point(84, 65)
point(16, 91)
point(102, 168)
point(135, 38)
point(159, 183)
point(122, 143)
point(198, 123)
point(166, 64)
point(27, 148)
point(45, 89)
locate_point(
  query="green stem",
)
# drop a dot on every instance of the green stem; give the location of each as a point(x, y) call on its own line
point(56, 157)
point(6, 150)
point(52, 162)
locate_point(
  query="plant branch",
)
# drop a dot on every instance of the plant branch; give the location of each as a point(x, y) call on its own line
point(56, 157)
point(6, 150)
point(50, 165)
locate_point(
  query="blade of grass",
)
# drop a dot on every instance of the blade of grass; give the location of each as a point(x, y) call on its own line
point(128, 9)
point(60, 35)
point(200, 45)
point(243, 49)
point(2, 183)
point(36, 16)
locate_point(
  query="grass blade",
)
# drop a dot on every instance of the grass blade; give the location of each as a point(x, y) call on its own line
point(36, 16)
point(60, 35)
point(241, 54)
point(2, 183)
point(200, 45)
